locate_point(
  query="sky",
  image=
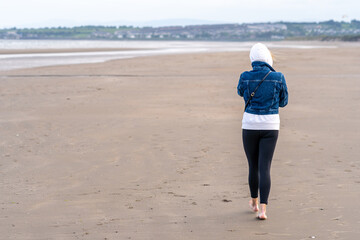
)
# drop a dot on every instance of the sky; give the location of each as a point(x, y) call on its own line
point(41, 13)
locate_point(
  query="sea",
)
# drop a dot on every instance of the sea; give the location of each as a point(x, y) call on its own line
point(138, 49)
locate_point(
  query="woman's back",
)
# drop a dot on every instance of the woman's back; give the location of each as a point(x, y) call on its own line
point(271, 94)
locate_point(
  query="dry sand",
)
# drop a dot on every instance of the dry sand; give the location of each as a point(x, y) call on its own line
point(150, 148)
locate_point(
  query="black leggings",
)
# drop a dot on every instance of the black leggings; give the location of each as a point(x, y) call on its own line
point(259, 146)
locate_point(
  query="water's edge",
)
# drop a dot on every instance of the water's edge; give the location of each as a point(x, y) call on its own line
point(30, 60)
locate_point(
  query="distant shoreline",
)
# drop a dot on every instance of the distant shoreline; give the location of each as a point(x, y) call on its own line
point(65, 50)
point(20, 54)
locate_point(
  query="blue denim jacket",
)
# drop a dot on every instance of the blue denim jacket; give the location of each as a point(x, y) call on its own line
point(271, 94)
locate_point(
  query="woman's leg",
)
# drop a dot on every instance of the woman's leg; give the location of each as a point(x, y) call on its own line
point(251, 147)
point(267, 145)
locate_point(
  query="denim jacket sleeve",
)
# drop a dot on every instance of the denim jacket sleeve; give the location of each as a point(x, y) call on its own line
point(283, 93)
point(240, 90)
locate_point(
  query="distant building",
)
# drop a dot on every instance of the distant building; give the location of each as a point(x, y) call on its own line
point(12, 35)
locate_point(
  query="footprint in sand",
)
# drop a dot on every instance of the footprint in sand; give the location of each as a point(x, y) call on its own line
point(205, 150)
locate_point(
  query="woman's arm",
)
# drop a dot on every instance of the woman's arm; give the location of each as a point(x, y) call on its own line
point(283, 93)
point(240, 91)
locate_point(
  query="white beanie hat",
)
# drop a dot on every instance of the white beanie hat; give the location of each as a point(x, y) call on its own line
point(259, 52)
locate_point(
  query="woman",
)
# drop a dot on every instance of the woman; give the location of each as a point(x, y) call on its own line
point(264, 91)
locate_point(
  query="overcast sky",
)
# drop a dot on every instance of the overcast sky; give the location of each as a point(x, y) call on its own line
point(36, 13)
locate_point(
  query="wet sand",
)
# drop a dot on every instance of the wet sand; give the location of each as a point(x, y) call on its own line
point(66, 50)
point(150, 148)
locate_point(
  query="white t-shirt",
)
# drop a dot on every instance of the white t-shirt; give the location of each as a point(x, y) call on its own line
point(261, 122)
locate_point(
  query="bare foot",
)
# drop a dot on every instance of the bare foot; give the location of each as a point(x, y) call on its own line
point(254, 205)
point(262, 214)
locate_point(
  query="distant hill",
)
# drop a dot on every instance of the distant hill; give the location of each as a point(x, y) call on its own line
point(163, 23)
point(272, 31)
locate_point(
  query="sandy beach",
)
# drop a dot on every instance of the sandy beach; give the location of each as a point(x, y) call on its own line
point(150, 148)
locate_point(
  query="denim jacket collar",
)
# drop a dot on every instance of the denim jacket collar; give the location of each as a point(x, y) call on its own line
point(258, 65)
